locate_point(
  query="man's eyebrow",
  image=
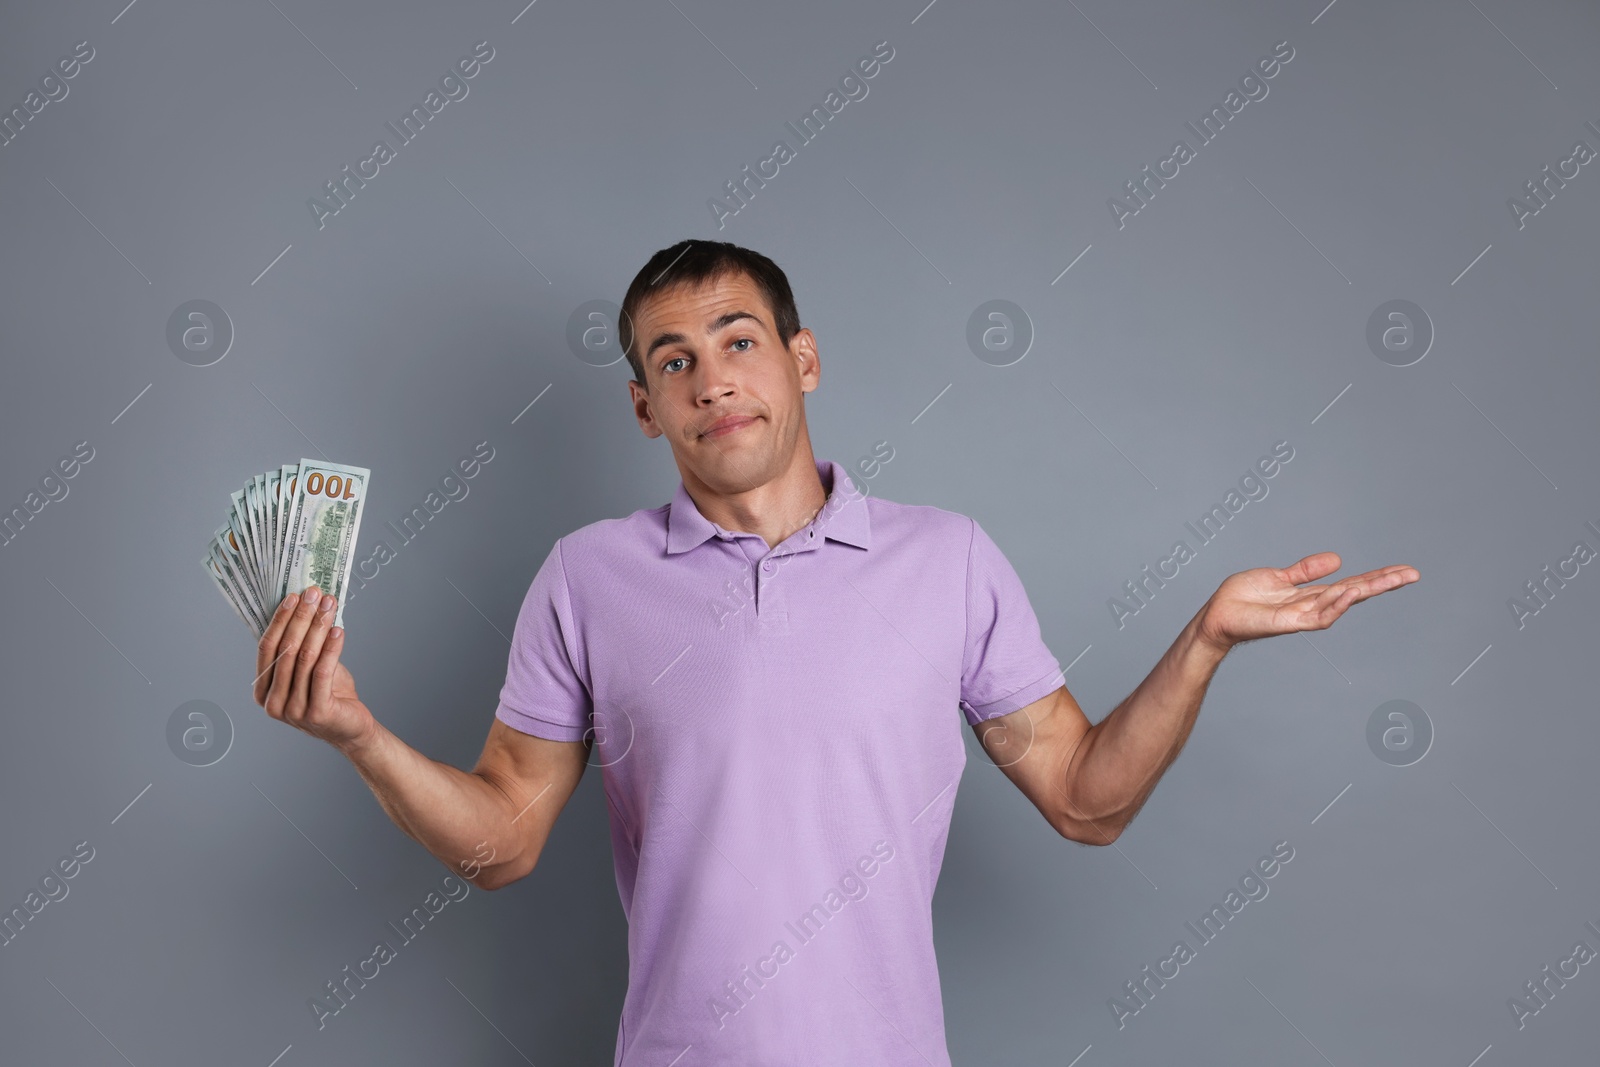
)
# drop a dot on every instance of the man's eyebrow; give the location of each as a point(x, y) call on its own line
point(711, 327)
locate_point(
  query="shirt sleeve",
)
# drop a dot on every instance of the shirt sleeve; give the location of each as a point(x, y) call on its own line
point(1006, 664)
point(544, 693)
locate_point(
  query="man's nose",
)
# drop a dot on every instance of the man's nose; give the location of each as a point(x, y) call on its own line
point(714, 383)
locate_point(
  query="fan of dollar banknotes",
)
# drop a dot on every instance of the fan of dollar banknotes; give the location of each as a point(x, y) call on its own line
point(287, 530)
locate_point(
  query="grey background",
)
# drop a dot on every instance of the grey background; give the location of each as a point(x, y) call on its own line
point(1227, 315)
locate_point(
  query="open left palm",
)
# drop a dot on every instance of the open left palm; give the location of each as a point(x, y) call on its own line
point(1267, 601)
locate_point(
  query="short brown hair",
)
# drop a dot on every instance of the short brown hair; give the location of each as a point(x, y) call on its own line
point(695, 262)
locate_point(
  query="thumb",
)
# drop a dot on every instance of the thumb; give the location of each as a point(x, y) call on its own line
point(1312, 567)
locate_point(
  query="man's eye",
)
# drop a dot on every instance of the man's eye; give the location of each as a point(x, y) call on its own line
point(670, 362)
point(744, 341)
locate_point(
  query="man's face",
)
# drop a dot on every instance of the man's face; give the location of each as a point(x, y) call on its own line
point(712, 354)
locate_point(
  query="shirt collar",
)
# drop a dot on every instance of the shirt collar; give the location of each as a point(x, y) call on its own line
point(843, 516)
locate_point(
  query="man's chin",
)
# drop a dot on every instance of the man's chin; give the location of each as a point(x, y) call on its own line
point(731, 470)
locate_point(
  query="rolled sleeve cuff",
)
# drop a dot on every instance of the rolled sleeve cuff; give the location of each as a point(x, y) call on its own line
point(1021, 698)
point(523, 722)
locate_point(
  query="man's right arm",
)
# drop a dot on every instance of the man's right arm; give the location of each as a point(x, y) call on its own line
point(489, 824)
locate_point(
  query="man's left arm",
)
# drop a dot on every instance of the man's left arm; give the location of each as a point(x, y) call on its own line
point(1089, 781)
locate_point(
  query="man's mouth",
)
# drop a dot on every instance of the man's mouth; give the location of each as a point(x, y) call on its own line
point(723, 427)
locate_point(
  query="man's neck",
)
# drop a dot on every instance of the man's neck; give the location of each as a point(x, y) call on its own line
point(773, 511)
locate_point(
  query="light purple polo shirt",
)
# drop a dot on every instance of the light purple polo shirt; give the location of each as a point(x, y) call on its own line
point(780, 757)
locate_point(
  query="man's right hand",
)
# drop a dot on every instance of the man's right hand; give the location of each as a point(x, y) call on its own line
point(299, 678)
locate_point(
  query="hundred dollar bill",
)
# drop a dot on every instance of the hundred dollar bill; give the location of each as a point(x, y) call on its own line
point(213, 568)
point(269, 509)
point(269, 522)
point(239, 545)
point(324, 520)
point(252, 527)
point(283, 534)
point(236, 571)
point(258, 503)
point(258, 540)
point(237, 525)
point(288, 475)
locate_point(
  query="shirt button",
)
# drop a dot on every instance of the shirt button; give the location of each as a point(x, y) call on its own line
point(767, 566)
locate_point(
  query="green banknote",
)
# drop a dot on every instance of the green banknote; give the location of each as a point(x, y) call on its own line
point(286, 530)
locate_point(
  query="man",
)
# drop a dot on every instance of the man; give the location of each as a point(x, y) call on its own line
point(766, 669)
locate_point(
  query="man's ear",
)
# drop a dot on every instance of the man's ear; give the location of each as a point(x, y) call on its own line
point(803, 345)
point(642, 411)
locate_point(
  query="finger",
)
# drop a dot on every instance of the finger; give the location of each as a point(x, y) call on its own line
point(288, 645)
point(1319, 597)
point(1379, 581)
point(306, 658)
point(267, 647)
point(1328, 615)
point(1317, 565)
point(1390, 577)
point(327, 667)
